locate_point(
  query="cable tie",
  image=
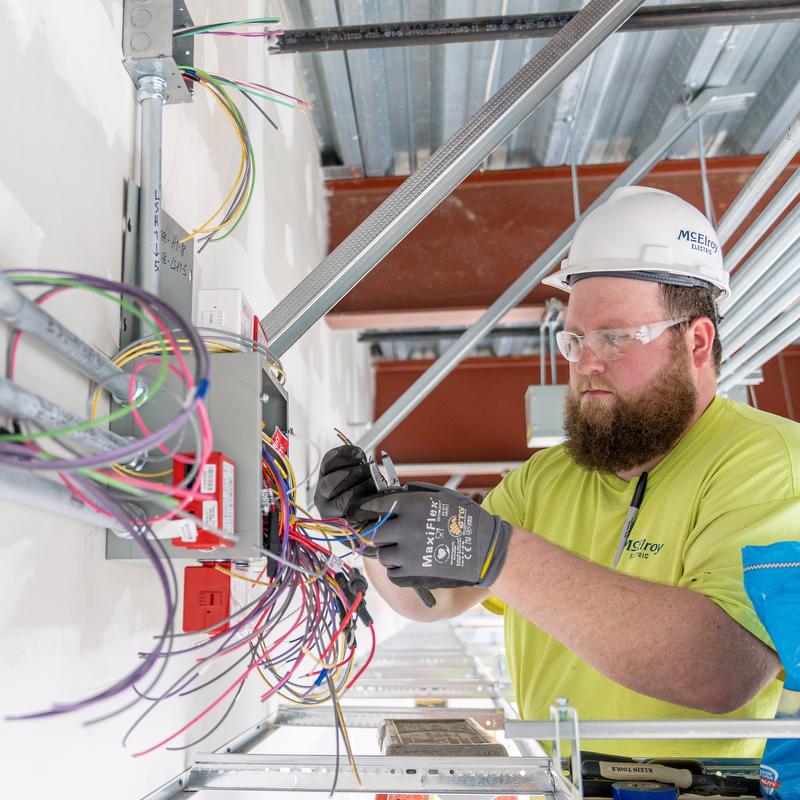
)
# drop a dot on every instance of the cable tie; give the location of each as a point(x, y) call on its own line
point(202, 389)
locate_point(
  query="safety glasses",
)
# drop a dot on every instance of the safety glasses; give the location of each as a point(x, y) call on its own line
point(610, 345)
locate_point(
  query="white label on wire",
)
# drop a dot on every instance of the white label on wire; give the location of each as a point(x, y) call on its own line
point(228, 497)
point(183, 529)
point(334, 563)
point(208, 483)
point(210, 513)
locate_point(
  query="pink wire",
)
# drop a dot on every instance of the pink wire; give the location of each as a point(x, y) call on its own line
point(236, 683)
point(18, 334)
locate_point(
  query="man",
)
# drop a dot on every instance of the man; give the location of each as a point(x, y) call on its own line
point(648, 621)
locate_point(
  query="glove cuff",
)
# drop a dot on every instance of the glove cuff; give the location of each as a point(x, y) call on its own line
point(496, 555)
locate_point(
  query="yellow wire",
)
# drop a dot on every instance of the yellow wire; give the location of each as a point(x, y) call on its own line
point(244, 577)
point(338, 709)
point(143, 349)
point(319, 661)
point(242, 165)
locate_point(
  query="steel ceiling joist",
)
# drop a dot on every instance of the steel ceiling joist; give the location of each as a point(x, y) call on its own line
point(690, 61)
point(329, 77)
point(446, 168)
point(777, 102)
point(367, 70)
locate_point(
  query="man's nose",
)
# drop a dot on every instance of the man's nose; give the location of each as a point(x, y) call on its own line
point(588, 363)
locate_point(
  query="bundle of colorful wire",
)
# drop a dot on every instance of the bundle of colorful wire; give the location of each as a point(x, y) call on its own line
point(297, 628)
point(298, 633)
point(233, 208)
point(95, 479)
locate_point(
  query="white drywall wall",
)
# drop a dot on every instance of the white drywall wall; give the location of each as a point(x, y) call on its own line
point(70, 621)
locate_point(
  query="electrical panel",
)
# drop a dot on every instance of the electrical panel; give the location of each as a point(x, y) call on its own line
point(244, 398)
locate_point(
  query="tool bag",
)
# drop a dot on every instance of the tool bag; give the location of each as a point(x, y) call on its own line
point(772, 582)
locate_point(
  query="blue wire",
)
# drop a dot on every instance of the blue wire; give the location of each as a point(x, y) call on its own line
point(371, 531)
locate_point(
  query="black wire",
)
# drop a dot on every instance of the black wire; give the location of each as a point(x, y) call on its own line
point(258, 107)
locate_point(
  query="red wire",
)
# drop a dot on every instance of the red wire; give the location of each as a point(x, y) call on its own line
point(339, 630)
point(367, 662)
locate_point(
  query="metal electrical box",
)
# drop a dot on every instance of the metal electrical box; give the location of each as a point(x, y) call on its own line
point(148, 45)
point(242, 396)
point(544, 414)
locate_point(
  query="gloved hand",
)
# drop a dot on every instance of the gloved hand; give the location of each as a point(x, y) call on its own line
point(344, 481)
point(437, 538)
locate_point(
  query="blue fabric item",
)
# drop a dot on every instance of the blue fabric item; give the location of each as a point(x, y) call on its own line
point(772, 582)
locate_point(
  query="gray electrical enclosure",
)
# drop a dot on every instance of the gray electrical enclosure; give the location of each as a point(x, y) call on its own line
point(242, 395)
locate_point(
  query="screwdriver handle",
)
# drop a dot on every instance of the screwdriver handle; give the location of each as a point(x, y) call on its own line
point(426, 595)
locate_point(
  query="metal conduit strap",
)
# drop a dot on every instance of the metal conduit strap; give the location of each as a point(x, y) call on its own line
point(416, 197)
point(711, 101)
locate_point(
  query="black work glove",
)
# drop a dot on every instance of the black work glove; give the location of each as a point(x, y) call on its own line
point(437, 538)
point(344, 481)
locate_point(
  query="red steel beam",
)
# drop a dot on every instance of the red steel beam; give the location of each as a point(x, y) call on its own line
point(491, 228)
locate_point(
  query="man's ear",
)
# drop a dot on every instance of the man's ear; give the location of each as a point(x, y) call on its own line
point(701, 341)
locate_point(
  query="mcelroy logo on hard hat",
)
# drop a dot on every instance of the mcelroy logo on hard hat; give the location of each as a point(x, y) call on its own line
point(699, 241)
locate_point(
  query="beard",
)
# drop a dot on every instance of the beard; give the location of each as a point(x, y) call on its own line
point(618, 434)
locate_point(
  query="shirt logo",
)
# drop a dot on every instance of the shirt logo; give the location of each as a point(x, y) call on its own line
point(642, 548)
point(770, 780)
point(699, 241)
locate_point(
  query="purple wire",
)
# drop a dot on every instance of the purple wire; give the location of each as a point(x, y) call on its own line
point(129, 680)
point(140, 444)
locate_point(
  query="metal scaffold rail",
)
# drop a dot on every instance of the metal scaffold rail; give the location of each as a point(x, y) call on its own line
point(488, 776)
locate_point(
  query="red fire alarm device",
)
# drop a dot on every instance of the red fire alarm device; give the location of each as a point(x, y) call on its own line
point(206, 597)
point(218, 509)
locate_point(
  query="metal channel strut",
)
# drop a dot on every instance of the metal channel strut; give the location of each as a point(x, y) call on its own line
point(423, 686)
point(416, 197)
point(711, 101)
point(379, 774)
point(373, 716)
point(525, 26)
point(661, 729)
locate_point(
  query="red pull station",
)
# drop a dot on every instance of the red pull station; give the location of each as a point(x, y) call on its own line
point(206, 597)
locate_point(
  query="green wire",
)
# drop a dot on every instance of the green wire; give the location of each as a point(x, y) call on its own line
point(256, 93)
point(217, 25)
point(100, 477)
point(234, 109)
point(123, 410)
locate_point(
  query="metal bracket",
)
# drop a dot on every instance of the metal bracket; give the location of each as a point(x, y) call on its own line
point(149, 49)
point(490, 776)
point(560, 713)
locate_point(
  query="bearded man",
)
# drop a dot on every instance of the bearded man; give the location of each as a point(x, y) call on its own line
point(615, 557)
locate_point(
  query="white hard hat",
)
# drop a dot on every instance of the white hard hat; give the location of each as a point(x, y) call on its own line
point(649, 234)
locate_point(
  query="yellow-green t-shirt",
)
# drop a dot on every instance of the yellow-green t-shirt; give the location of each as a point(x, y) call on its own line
point(732, 480)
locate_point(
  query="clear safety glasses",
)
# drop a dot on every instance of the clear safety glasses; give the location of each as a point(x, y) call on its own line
point(609, 345)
